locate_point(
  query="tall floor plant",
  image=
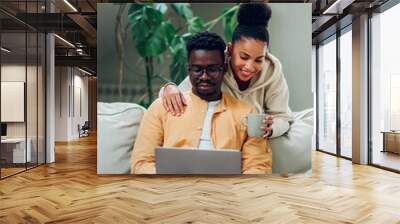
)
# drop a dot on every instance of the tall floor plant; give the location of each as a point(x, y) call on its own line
point(155, 36)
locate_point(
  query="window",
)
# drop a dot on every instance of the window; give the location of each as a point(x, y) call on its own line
point(394, 101)
point(327, 96)
point(385, 88)
point(346, 94)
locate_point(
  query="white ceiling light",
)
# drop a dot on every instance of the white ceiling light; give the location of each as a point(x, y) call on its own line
point(84, 71)
point(5, 50)
point(65, 41)
point(70, 5)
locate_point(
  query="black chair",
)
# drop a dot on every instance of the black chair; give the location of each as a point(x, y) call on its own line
point(84, 130)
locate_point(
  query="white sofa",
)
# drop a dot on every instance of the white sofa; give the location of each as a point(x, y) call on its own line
point(118, 124)
point(291, 152)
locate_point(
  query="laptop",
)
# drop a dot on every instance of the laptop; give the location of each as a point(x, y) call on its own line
point(198, 161)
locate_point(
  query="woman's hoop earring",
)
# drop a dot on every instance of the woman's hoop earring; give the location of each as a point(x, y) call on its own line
point(227, 58)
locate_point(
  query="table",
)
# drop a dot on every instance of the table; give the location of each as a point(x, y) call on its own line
point(13, 150)
point(391, 141)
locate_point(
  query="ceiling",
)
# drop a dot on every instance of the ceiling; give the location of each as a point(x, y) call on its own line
point(76, 22)
point(329, 16)
point(77, 25)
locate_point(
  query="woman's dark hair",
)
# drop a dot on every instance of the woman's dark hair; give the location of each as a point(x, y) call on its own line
point(206, 41)
point(253, 20)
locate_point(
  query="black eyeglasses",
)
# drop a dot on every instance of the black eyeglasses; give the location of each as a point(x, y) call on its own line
point(212, 70)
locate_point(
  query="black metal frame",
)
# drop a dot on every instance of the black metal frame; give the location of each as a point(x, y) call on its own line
point(369, 90)
point(25, 89)
point(44, 71)
point(338, 98)
point(45, 92)
point(317, 96)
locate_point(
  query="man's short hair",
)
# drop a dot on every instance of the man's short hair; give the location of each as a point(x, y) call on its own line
point(206, 41)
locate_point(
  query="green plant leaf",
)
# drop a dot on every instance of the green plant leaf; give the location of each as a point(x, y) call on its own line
point(152, 16)
point(135, 7)
point(169, 31)
point(183, 10)
point(153, 46)
point(140, 29)
point(179, 61)
point(162, 7)
point(157, 42)
point(143, 103)
point(176, 43)
point(229, 22)
point(134, 16)
point(196, 25)
point(139, 25)
point(150, 33)
point(187, 36)
point(210, 24)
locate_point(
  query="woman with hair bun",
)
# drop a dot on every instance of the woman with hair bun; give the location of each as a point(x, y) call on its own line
point(254, 75)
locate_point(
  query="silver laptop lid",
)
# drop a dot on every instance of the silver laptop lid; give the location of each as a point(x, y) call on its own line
point(195, 161)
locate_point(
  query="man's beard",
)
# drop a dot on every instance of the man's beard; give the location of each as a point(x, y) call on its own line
point(208, 95)
point(210, 85)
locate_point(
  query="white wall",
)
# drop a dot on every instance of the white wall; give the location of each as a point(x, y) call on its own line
point(70, 83)
point(82, 83)
point(12, 101)
point(61, 103)
point(290, 41)
point(79, 112)
point(14, 73)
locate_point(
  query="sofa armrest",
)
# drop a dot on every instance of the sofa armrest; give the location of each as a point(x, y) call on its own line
point(291, 153)
point(118, 124)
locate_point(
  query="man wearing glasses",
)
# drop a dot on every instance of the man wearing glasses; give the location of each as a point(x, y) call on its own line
point(212, 119)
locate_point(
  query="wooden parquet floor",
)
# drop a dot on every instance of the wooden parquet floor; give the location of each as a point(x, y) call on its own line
point(70, 191)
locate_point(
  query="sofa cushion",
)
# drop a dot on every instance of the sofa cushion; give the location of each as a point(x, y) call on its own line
point(306, 116)
point(118, 124)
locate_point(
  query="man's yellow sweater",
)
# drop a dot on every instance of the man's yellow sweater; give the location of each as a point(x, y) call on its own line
point(159, 128)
